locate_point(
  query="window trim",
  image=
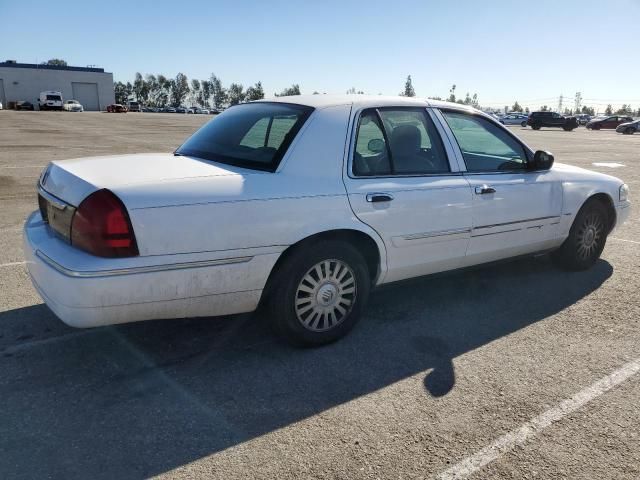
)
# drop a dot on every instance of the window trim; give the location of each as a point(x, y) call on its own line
point(527, 151)
point(449, 151)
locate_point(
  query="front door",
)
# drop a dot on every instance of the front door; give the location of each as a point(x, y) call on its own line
point(515, 210)
point(403, 181)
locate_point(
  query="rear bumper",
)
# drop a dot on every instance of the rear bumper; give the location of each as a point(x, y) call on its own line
point(87, 291)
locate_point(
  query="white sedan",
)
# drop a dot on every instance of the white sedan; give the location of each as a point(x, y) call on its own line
point(72, 106)
point(514, 119)
point(304, 204)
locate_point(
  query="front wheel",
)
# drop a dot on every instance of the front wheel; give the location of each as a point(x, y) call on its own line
point(318, 293)
point(586, 239)
point(630, 131)
point(536, 126)
point(523, 124)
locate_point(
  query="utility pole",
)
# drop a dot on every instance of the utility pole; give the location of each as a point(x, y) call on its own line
point(578, 103)
point(560, 104)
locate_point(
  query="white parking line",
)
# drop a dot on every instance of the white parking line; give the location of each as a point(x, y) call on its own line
point(623, 240)
point(502, 445)
point(11, 264)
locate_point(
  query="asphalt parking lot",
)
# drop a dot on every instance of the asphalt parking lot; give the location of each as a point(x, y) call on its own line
point(511, 371)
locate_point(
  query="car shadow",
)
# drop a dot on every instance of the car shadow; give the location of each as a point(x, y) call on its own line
point(138, 400)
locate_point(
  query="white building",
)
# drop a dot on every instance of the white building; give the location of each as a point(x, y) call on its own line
point(92, 87)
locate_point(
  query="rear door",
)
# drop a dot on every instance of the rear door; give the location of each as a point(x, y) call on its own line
point(403, 180)
point(515, 210)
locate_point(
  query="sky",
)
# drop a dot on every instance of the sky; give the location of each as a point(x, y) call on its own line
point(531, 51)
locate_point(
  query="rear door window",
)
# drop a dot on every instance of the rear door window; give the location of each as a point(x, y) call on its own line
point(398, 141)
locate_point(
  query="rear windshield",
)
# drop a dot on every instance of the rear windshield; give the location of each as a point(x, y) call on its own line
point(253, 135)
point(54, 97)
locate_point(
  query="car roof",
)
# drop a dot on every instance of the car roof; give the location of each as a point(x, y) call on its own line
point(363, 101)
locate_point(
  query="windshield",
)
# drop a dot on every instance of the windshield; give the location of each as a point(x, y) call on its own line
point(253, 135)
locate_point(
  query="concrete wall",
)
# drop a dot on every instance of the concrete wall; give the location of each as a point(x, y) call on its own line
point(27, 83)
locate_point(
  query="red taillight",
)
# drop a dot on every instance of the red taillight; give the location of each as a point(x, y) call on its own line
point(101, 226)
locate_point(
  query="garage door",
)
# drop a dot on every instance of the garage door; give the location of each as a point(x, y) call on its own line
point(3, 100)
point(86, 94)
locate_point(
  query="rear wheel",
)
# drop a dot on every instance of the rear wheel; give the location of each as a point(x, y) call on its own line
point(587, 238)
point(567, 128)
point(536, 126)
point(523, 124)
point(318, 293)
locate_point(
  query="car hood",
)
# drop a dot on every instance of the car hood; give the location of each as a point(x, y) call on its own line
point(571, 173)
point(151, 173)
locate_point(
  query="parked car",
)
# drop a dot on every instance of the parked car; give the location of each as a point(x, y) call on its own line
point(339, 195)
point(169, 110)
point(134, 106)
point(583, 118)
point(116, 108)
point(611, 121)
point(24, 105)
point(629, 127)
point(50, 100)
point(551, 119)
point(0, 105)
point(180, 110)
point(514, 119)
point(204, 111)
point(72, 106)
point(148, 109)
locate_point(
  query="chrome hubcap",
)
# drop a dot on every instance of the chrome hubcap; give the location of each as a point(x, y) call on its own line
point(325, 295)
point(589, 236)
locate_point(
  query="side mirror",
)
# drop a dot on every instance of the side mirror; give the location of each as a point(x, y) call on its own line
point(542, 160)
point(376, 145)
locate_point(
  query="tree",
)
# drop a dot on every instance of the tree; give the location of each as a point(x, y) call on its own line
point(141, 89)
point(206, 92)
point(195, 91)
point(236, 94)
point(544, 108)
point(218, 93)
point(608, 110)
point(408, 88)
point(625, 110)
point(179, 89)
point(55, 61)
point(255, 93)
point(516, 107)
point(588, 110)
point(474, 101)
point(526, 110)
point(120, 90)
point(452, 94)
point(292, 90)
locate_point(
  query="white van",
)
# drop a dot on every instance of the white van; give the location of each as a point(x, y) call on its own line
point(50, 100)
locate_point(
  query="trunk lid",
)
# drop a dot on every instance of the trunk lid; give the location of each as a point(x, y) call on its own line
point(73, 180)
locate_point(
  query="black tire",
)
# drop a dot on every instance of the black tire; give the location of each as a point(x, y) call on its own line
point(287, 288)
point(536, 126)
point(523, 124)
point(582, 249)
point(629, 131)
point(596, 127)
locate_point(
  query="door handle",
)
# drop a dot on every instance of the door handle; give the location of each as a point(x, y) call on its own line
point(484, 189)
point(379, 197)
